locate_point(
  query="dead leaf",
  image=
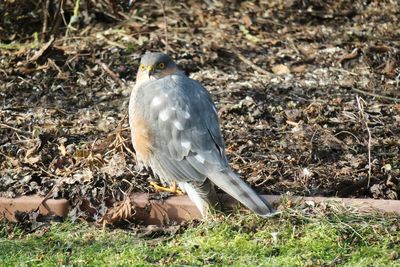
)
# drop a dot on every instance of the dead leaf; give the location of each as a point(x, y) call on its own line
point(116, 166)
point(81, 153)
point(61, 147)
point(30, 156)
point(293, 114)
point(387, 167)
point(247, 21)
point(121, 211)
point(299, 68)
point(379, 48)
point(84, 176)
point(347, 82)
point(33, 160)
point(352, 55)
point(280, 69)
point(390, 68)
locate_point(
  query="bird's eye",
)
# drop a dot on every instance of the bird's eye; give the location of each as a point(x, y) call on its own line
point(142, 67)
point(161, 65)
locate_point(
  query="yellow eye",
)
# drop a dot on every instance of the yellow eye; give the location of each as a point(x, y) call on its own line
point(142, 67)
point(161, 65)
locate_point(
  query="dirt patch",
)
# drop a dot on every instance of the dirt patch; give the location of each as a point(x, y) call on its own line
point(307, 91)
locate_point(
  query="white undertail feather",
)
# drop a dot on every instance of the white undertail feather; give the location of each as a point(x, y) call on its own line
point(202, 194)
point(194, 196)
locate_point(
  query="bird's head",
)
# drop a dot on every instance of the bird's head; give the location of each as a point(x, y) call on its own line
point(155, 66)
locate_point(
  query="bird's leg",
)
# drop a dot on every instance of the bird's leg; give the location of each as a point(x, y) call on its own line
point(173, 188)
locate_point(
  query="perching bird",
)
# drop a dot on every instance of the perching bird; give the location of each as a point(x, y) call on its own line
point(175, 132)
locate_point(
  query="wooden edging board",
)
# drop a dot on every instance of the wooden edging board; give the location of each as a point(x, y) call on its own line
point(176, 208)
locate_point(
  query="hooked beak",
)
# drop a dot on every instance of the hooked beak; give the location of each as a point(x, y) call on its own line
point(150, 70)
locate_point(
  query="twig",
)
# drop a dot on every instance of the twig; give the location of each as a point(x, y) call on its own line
point(355, 137)
point(349, 56)
point(57, 18)
point(54, 65)
point(112, 43)
point(51, 175)
point(376, 95)
point(251, 64)
point(2, 125)
point(365, 120)
point(167, 47)
point(51, 192)
point(344, 71)
point(45, 7)
point(42, 50)
point(119, 140)
point(112, 74)
point(291, 42)
point(62, 14)
point(312, 144)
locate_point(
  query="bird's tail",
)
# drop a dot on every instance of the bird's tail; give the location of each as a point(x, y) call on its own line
point(232, 184)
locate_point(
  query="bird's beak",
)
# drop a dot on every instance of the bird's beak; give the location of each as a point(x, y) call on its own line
point(150, 70)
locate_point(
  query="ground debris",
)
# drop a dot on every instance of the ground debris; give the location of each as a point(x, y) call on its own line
point(284, 76)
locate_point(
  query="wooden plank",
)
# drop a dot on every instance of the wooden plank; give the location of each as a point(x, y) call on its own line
point(9, 206)
point(177, 208)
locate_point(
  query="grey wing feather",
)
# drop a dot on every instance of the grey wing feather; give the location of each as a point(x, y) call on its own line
point(187, 142)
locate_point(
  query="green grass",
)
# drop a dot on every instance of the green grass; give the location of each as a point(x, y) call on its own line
point(303, 239)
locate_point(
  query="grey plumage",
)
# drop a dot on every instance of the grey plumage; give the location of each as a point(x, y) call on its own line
point(186, 142)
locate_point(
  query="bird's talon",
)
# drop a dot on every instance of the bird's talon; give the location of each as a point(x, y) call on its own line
point(179, 192)
point(172, 189)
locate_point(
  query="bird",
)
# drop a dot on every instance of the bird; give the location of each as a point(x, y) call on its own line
point(175, 132)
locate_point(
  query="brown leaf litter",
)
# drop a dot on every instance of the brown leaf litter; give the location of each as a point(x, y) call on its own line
point(284, 76)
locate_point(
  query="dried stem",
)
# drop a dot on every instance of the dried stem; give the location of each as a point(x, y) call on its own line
point(251, 64)
point(45, 7)
point(167, 48)
point(57, 18)
point(2, 125)
point(376, 95)
point(112, 74)
point(365, 120)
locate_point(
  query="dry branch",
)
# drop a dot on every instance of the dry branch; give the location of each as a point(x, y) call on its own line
point(364, 119)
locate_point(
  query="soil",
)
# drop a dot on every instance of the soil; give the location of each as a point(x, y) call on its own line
point(307, 92)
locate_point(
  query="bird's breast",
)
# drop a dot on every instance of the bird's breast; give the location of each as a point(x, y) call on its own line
point(141, 138)
point(140, 130)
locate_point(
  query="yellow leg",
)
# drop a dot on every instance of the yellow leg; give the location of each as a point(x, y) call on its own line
point(173, 188)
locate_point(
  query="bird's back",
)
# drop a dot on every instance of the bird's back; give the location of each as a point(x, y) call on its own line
point(183, 125)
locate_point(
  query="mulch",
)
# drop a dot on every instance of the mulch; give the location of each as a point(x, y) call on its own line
point(307, 92)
